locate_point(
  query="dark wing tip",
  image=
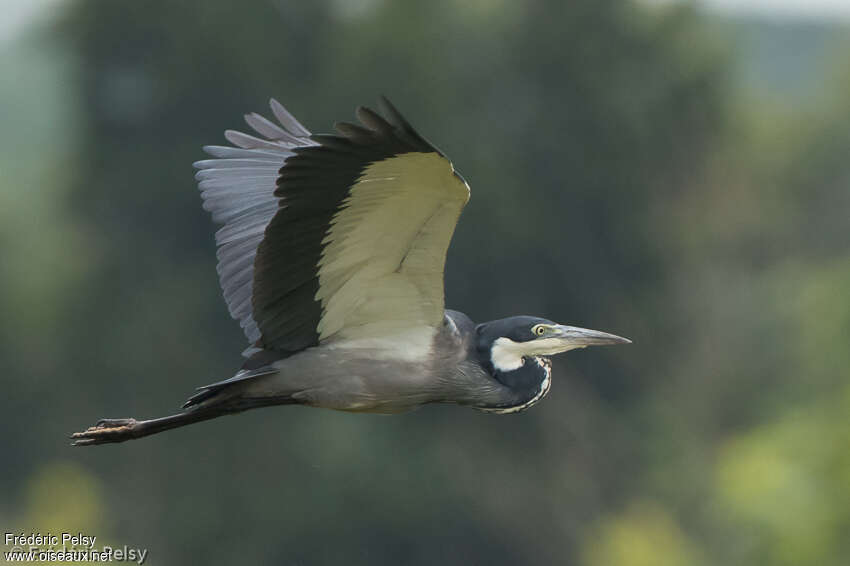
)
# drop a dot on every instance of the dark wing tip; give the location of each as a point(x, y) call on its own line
point(354, 132)
point(373, 120)
point(403, 127)
point(393, 115)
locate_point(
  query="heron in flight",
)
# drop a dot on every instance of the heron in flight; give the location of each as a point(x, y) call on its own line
point(331, 257)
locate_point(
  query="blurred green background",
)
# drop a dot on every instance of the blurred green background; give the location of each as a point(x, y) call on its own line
point(673, 175)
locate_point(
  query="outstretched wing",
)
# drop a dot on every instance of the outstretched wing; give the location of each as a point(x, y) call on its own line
point(356, 249)
point(238, 189)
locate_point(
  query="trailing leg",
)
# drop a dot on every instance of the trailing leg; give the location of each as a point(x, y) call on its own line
point(119, 430)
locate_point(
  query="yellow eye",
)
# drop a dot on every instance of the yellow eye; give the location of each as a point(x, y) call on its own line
point(539, 330)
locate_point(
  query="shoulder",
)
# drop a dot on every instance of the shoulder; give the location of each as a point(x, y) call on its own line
point(454, 336)
point(461, 323)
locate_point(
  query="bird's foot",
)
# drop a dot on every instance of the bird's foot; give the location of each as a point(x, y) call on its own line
point(105, 431)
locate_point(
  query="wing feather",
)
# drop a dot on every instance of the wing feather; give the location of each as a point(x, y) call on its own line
point(237, 187)
point(331, 237)
point(357, 249)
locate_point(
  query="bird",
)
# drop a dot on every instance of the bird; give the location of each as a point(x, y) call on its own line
point(331, 256)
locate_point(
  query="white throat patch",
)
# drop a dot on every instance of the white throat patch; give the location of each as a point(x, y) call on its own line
point(507, 355)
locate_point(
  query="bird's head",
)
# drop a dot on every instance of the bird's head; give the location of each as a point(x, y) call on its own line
point(508, 342)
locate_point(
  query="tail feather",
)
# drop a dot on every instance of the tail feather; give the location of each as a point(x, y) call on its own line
point(209, 391)
point(202, 395)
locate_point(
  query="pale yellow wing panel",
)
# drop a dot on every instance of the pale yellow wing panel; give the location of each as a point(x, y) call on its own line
point(382, 265)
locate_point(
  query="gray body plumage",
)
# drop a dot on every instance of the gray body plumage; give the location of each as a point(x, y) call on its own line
point(331, 256)
point(375, 379)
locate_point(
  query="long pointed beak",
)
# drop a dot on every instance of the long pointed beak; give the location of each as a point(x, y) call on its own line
point(577, 337)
